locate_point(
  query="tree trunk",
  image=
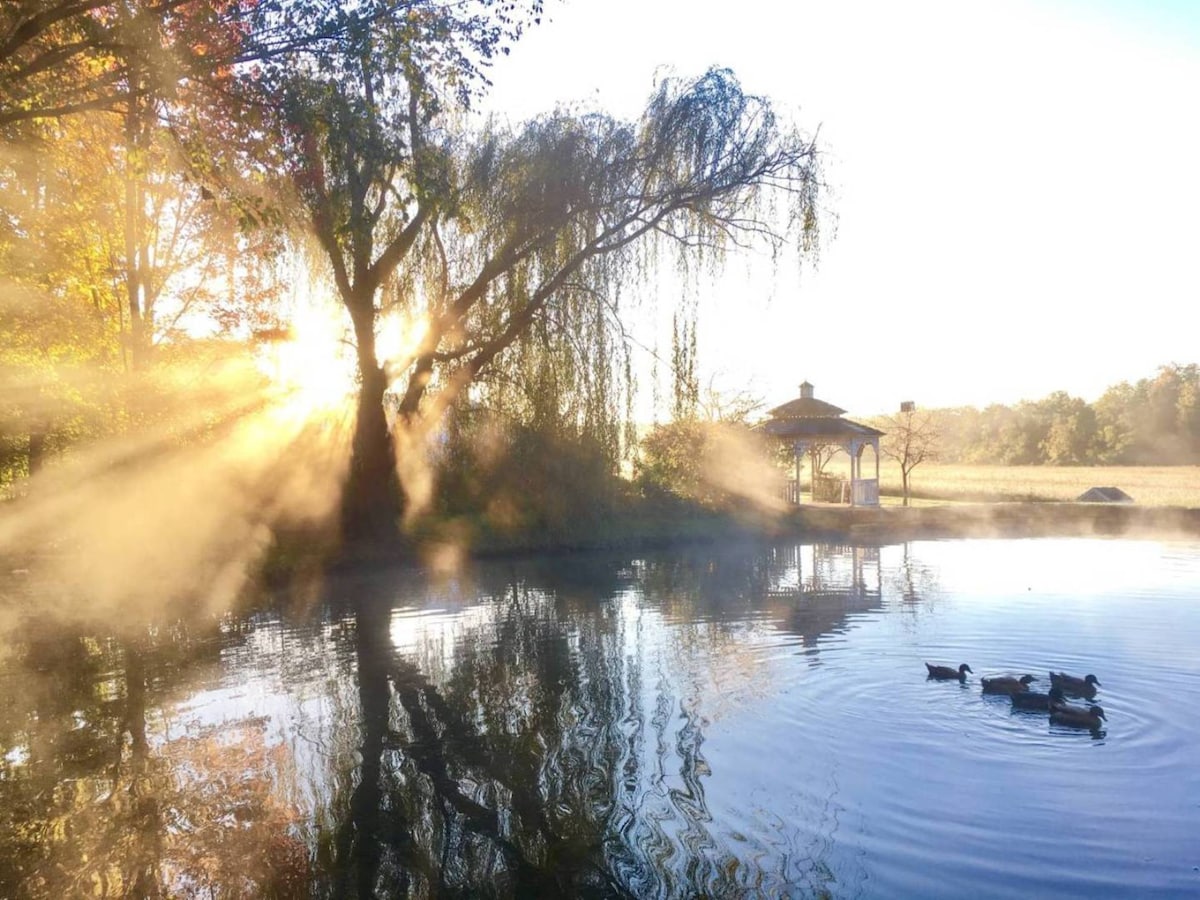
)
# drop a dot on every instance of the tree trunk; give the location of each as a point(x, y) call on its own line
point(359, 846)
point(37, 450)
point(147, 879)
point(134, 230)
point(904, 483)
point(372, 504)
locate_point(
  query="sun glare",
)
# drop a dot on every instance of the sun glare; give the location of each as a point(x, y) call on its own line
point(312, 365)
point(397, 340)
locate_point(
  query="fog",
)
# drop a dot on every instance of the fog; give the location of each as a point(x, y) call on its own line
point(178, 516)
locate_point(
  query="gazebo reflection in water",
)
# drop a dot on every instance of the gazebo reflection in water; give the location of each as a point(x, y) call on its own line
point(816, 590)
point(825, 568)
point(810, 427)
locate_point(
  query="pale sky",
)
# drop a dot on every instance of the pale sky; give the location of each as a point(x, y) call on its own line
point(1017, 185)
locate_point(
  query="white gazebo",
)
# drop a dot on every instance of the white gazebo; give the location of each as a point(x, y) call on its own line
point(807, 424)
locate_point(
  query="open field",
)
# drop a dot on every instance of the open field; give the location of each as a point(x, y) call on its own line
point(1147, 485)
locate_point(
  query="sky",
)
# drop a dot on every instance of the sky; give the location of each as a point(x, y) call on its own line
point(1016, 186)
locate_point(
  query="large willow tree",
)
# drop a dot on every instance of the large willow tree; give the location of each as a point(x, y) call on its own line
point(485, 233)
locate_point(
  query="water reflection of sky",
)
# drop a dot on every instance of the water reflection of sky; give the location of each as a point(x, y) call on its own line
point(758, 758)
point(1076, 566)
point(755, 719)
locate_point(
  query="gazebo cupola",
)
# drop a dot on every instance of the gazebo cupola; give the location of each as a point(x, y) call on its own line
point(807, 425)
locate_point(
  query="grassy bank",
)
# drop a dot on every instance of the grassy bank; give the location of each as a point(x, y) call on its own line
point(950, 501)
point(1173, 486)
point(445, 545)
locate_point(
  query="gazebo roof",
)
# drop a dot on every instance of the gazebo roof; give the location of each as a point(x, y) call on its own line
point(818, 427)
point(806, 417)
point(805, 408)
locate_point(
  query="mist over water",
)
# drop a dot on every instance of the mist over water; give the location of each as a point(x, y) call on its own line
point(749, 720)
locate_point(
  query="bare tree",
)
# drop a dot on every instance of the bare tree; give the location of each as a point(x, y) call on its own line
point(912, 438)
point(738, 406)
point(820, 453)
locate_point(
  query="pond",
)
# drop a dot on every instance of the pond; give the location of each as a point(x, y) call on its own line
point(748, 720)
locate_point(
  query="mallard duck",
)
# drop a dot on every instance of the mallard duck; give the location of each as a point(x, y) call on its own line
point(945, 673)
point(1036, 700)
point(1077, 716)
point(1006, 684)
point(1077, 687)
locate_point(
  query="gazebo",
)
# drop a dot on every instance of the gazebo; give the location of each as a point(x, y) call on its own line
point(806, 425)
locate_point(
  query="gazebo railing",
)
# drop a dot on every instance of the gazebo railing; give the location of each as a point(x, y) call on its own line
point(865, 491)
point(791, 492)
point(860, 491)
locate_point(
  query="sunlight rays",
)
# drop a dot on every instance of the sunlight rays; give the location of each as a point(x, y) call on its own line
point(312, 365)
point(181, 513)
point(164, 523)
point(399, 335)
point(226, 451)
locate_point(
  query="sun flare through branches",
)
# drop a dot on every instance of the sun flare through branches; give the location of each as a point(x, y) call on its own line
point(311, 362)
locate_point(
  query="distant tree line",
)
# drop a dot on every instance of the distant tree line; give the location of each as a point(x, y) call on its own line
point(1155, 421)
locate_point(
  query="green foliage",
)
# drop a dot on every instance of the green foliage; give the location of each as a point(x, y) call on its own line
point(714, 465)
point(685, 385)
point(64, 316)
point(510, 244)
point(668, 462)
point(511, 477)
point(829, 488)
point(65, 57)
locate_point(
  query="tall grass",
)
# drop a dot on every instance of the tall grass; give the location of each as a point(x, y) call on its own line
point(1147, 485)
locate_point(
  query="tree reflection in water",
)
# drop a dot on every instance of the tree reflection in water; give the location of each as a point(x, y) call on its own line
point(526, 745)
point(100, 801)
point(539, 731)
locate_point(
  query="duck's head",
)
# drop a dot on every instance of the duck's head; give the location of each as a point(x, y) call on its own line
point(964, 669)
point(1057, 695)
point(1097, 712)
point(1091, 679)
point(1025, 679)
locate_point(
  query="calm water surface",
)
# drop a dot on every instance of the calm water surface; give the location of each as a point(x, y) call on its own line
point(752, 720)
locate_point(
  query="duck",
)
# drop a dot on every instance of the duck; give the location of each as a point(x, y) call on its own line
point(945, 673)
point(1077, 687)
point(1006, 684)
point(1036, 700)
point(1077, 716)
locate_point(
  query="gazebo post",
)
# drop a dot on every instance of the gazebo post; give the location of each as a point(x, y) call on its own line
point(855, 464)
point(796, 457)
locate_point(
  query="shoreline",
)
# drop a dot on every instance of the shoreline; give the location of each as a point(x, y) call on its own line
point(1000, 520)
point(864, 526)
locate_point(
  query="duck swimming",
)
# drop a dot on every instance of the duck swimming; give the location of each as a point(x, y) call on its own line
point(1077, 716)
point(1077, 687)
point(1037, 701)
point(1006, 684)
point(945, 673)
